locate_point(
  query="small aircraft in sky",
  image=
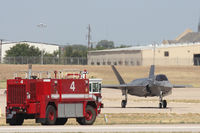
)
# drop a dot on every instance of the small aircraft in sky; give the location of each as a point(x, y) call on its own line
point(154, 85)
point(42, 25)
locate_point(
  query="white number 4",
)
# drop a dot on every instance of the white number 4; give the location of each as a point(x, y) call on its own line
point(72, 86)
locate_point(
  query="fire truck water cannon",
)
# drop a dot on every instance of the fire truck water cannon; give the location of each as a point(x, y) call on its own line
point(51, 101)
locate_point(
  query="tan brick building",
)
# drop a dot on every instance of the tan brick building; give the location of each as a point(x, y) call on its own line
point(165, 54)
point(183, 50)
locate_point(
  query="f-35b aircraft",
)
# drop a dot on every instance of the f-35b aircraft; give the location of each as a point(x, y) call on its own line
point(154, 85)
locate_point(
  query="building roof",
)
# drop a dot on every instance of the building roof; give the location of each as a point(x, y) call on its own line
point(186, 37)
point(190, 37)
point(183, 34)
point(150, 46)
point(9, 42)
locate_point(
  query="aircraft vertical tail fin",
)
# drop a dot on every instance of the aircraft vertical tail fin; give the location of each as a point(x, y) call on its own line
point(151, 72)
point(120, 79)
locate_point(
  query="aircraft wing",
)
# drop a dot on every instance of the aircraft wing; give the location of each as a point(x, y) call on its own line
point(121, 86)
point(182, 86)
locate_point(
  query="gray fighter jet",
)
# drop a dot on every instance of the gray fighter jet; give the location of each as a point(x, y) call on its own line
point(154, 85)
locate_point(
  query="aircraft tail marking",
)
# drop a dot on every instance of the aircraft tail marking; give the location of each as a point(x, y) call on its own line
point(120, 79)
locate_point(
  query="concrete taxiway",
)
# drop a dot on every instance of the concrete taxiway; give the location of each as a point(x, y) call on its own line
point(104, 128)
point(182, 101)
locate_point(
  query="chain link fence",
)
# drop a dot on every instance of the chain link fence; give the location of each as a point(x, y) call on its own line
point(85, 61)
point(46, 60)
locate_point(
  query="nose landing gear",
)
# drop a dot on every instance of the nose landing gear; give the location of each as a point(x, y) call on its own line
point(162, 103)
point(124, 102)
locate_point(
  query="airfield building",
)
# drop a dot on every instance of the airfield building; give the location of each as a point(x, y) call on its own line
point(184, 50)
point(165, 54)
point(4, 46)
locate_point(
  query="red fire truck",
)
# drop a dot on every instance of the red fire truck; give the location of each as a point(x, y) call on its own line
point(51, 101)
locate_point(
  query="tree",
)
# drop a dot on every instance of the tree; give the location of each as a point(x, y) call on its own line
point(23, 50)
point(54, 54)
point(123, 46)
point(75, 50)
point(105, 44)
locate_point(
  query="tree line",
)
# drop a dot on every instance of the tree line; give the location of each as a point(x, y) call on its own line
point(75, 50)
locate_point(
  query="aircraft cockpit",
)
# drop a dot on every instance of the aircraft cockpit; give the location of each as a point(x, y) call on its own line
point(161, 77)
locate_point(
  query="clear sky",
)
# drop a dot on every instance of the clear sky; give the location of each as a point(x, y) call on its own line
point(129, 22)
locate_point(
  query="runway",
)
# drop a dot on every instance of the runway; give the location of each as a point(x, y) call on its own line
point(104, 128)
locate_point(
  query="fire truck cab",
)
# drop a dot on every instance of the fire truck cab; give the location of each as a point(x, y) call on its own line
point(51, 101)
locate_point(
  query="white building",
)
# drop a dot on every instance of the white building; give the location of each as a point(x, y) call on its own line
point(50, 48)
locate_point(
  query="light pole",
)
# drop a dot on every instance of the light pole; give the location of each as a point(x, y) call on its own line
point(42, 26)
point(42, 57)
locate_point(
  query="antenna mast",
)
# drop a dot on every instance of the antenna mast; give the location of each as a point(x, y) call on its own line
point(89, 37)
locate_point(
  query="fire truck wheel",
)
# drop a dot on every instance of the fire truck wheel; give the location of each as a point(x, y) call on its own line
point(17, 120)
point(89, 118)
point(50, 116)
point(61, 121)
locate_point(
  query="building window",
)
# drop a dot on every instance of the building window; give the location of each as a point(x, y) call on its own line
point(120, 62)
point(126, 63)
point(108, 63)
point(132, 63)
point(138, 63)
point(166, 53)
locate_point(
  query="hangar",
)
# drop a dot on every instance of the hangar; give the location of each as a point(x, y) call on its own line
point(4, 46)
point(184, 50)
point(170, 54)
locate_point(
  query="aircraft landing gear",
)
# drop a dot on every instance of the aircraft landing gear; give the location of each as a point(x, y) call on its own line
point(124, 102)
point(162, 103)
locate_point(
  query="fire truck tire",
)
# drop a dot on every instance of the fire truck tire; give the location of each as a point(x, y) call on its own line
point(90, 117)
point(61, 121)
point(18, 120)
point(50, 116)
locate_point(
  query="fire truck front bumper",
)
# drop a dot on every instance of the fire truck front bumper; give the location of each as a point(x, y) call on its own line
point(10, 114)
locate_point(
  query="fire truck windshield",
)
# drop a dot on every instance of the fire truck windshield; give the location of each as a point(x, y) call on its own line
point(95, 87)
